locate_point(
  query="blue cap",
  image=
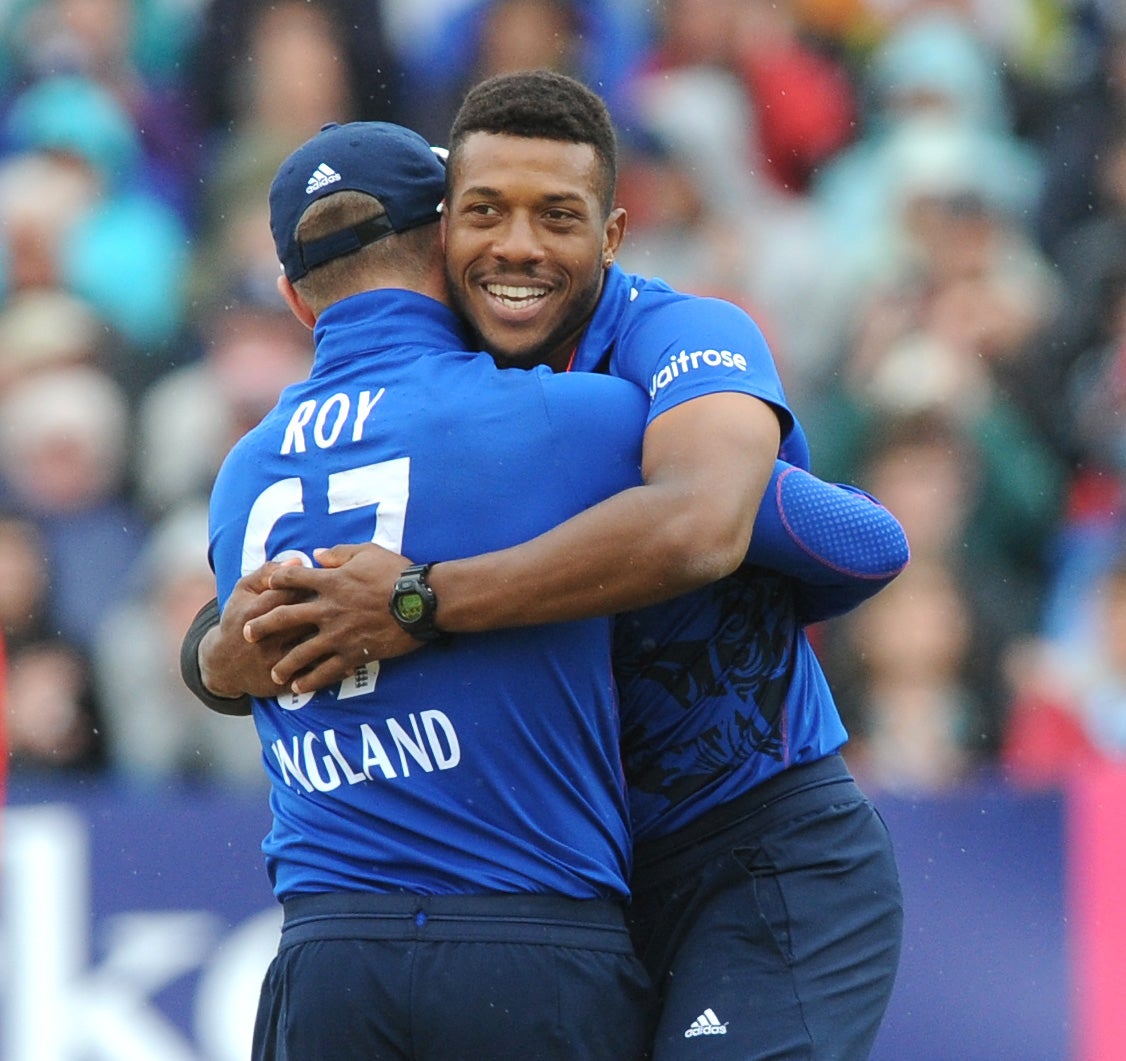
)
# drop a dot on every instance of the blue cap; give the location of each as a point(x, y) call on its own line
point(387, 161)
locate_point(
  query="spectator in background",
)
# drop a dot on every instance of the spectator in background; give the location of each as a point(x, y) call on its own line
point(1097, 381)
point(1075, 353)
point(801, 98)
point(154, 728)
point(1088, 535)
point(52, 722)
point(268, 75)
point(931, 472)
point(1079, 126)
point(251, 348)
point(953, 263)
point(932, 73)
point(234, 260)
point(76, 216)
point(911, 702)
point(803, 94)
point(44, 327)
point(63, 464)
point(1068, 706)
point(51, 715)
point(132, 49)
point(280, 68)
point(597, 41)
point(24, 581)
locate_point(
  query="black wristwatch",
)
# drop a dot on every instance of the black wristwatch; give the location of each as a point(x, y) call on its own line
point(413, 604)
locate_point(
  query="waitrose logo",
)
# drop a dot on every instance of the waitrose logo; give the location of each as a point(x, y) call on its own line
point(684, 362)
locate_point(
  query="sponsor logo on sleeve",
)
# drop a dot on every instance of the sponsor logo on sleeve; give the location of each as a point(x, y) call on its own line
point(681, 364)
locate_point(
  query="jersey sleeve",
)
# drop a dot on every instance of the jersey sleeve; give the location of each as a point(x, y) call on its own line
point(684, 348)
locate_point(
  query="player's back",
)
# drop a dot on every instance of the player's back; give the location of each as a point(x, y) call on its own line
point(490, 762)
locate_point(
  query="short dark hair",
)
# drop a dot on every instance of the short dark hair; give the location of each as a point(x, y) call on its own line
point(541, 105)
point(405, 254)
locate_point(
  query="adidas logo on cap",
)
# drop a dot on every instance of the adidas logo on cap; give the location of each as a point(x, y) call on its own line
point(322, 177)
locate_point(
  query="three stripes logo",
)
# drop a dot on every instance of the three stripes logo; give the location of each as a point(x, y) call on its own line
point(322, 177)
point(707, 1023)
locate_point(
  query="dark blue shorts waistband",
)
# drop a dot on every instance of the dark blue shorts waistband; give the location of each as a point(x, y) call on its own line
point(594, 924)
point(786, 794)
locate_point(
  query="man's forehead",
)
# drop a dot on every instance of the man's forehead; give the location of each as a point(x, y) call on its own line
point(500, 160)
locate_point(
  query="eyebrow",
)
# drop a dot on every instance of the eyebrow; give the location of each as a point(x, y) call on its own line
point(480, 191)
point(551, 198)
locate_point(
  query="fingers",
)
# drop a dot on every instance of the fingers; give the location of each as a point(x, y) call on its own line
point(338, 555)
point(243, 607)
point(258, 580)
point(296, 578)
point(286, 621)
point(310, 665)
point(327, 672)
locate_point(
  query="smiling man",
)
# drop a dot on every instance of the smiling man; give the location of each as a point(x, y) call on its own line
point(766, 900)
point(529, 243)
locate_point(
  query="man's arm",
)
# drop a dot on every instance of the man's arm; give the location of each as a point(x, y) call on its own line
point(218, 664)
point(837, 544)
point(205, 629)
point(705, 465)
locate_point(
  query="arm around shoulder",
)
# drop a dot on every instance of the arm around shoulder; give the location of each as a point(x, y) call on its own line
point(705, 464)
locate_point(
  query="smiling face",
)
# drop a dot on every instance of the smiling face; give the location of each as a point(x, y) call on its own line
point(527, 243)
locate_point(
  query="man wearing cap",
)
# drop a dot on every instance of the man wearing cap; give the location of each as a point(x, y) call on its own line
point(739, 796)
point(450, 841)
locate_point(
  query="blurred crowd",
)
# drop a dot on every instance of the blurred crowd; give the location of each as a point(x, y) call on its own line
point(922, 203)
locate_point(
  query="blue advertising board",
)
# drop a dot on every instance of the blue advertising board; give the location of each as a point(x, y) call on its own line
point(137, 923)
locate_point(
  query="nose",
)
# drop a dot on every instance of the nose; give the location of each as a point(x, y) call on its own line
point(518, 241)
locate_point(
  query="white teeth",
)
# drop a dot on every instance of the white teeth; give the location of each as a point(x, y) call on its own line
point(515, 297)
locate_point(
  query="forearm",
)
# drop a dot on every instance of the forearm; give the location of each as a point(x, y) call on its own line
point(203, 628)
point(705, 467)
point(624, 553)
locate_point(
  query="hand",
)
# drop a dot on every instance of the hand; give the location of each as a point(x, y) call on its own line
point(345, 601)
point(230, 665)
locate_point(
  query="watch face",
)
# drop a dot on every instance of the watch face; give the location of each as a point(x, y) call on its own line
point(409, 607)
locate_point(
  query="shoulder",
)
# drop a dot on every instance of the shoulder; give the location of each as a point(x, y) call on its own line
point(658, 306)
point(581, 389)
point(593, 409)
point(663, 326)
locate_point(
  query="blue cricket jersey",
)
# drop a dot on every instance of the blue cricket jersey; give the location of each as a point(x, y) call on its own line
point(720, 689)
point(489, 763)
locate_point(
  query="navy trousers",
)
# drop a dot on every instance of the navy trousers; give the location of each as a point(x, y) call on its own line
point(773, 930)
point(361, 977)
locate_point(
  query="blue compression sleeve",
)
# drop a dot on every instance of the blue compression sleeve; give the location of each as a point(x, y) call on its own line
point(838, 544)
